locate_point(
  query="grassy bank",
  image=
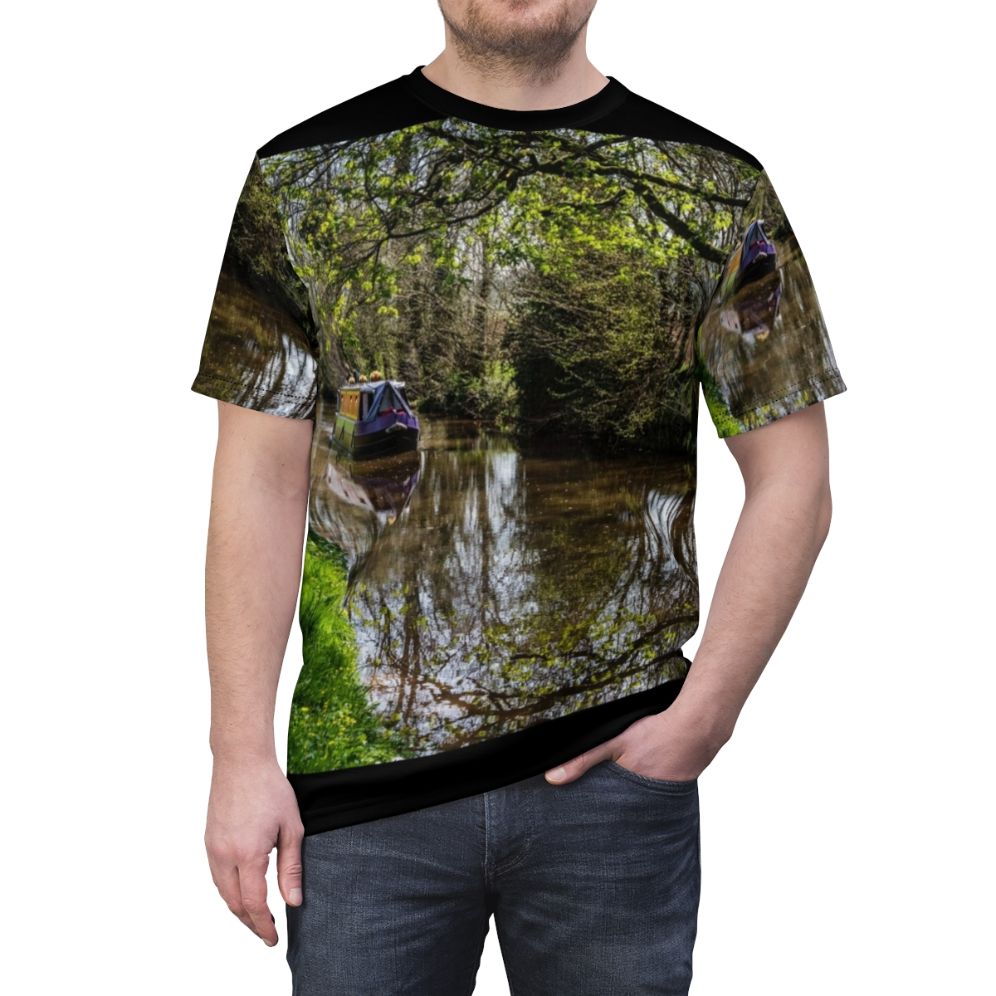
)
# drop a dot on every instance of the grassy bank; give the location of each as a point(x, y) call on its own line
point(332, 724)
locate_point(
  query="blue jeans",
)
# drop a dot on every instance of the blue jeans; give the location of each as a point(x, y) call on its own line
point(593, 885)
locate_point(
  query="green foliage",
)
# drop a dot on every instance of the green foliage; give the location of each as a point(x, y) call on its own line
point(457, 253)
point(332, 723)
point(726, 424)
point(591, 355)
point(491, 396)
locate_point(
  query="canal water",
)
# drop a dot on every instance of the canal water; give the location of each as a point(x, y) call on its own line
point(492, 584)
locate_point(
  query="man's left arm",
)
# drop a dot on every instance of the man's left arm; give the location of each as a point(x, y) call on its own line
point(781, 529)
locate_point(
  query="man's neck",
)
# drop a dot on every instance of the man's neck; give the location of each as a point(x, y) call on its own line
point(500, 84)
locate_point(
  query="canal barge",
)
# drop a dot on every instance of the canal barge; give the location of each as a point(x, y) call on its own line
point(374, 418)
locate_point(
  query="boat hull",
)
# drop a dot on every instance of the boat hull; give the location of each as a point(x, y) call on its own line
point(378, 437)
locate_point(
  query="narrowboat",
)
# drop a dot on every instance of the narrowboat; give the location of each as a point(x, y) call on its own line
point(750, 287)
point(755, 257)
point(373, 418)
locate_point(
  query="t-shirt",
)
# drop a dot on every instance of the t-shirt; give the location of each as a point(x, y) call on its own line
point(498, 321)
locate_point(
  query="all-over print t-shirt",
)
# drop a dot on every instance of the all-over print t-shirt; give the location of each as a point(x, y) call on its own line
point(499, 321)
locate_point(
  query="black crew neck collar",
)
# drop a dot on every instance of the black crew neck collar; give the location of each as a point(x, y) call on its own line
point(453, 105)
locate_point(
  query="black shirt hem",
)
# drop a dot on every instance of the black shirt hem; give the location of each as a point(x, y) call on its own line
point(333, 799)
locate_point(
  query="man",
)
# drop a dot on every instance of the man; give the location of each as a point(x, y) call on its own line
point(461, 322)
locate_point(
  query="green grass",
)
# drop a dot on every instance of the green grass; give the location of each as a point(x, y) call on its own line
point(332, 723)
point(726, 424)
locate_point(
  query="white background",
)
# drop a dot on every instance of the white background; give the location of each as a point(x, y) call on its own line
point(846, 829)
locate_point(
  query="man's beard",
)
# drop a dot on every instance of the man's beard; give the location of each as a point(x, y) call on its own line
point(530, 53)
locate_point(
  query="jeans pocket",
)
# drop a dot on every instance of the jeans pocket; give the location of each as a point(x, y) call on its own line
point(666, 784)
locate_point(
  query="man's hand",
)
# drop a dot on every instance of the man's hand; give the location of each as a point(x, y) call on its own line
point(253, 572)
point(251, 810)
point(676, 744)
point(785, 519)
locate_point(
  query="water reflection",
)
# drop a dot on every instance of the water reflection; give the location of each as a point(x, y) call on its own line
point(491, 584)
point(765, 338)
point(256, 353)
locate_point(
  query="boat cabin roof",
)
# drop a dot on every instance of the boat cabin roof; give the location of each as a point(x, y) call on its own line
point(372, 385)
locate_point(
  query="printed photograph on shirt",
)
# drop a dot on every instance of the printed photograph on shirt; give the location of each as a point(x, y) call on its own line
point(501, 338)
point(763, 345)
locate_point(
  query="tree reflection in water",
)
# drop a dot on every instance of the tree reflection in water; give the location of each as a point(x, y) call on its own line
point(493, 584)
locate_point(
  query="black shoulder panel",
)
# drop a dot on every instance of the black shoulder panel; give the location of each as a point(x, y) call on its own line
point(642, 118)
point(384, 108)
point(391, 106)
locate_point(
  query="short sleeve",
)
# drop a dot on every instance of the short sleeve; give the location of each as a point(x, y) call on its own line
point(762, 347)
point(260, 349)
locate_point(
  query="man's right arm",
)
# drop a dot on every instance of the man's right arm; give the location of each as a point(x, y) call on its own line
point(253, 572)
